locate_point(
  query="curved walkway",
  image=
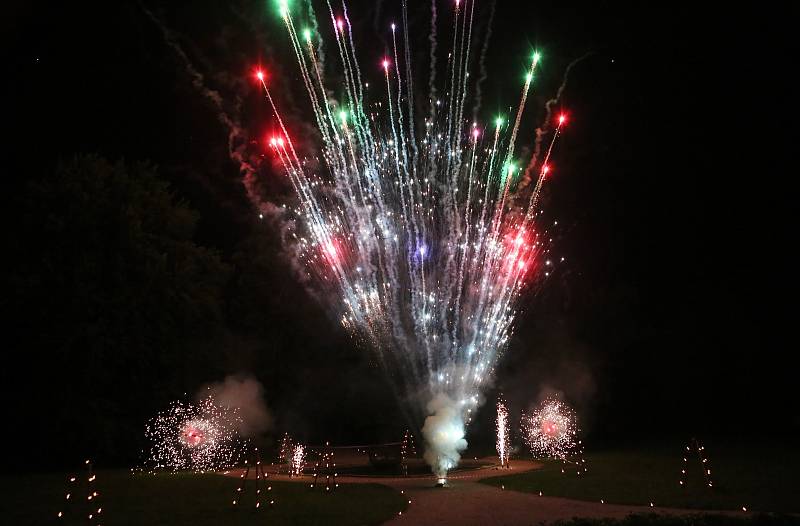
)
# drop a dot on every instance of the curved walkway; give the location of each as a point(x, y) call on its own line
point(466, 502)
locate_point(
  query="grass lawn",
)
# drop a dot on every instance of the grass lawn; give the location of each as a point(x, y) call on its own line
point(759, 478)
point(196, 500)
point(690, 520)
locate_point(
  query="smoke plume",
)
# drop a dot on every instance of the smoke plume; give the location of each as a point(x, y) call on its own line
point(444, 435)
point(245, 395)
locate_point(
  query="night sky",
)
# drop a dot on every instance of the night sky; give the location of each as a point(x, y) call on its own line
point(670, 317)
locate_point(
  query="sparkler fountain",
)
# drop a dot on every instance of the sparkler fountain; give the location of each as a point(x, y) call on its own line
point(503, 434)
point(298, 460)
point(421, 227)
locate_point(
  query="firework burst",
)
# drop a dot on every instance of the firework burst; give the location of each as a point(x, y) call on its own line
point(197, 437)
point(421, 225)
point(550, 431)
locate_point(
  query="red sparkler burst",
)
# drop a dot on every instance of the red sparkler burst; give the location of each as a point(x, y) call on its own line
point(192, 435)
point(198, 436)
point(551, 430)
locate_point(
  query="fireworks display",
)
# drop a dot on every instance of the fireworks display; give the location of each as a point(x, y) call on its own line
point(198, 437)
point(421, 224)
point(503, 433)
point(551, 430)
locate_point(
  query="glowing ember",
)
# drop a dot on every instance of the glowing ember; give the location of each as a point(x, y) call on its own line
point(192, 434)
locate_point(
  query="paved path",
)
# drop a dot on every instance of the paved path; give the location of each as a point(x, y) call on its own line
point(465, 501)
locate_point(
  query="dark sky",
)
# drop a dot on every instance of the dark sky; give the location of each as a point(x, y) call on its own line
point(672, 313)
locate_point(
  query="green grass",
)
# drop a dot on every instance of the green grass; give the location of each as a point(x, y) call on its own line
point(691, 520)
point(760, 478)
point(196, 500)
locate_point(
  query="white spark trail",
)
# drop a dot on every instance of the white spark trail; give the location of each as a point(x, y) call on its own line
point(409, 225)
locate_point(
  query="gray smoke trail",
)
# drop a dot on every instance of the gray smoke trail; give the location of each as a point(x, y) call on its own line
point(237, 138)
point(432, 39)
point(312, 18)
point(482, 64)
point(376, 21)
point(546, 126)
point(237, 141)
point(245, 395)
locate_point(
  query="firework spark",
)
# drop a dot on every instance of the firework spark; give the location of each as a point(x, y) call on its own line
point(197, 437)
point(285, 453)
point(298, 460)
point(503, 433)
point(414, 223)
point(551, 430)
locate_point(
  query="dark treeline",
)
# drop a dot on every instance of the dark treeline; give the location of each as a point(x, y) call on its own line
point(116, 310)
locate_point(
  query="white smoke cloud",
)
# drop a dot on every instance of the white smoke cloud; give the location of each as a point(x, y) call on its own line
point(245, 395)
point(444, 434)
